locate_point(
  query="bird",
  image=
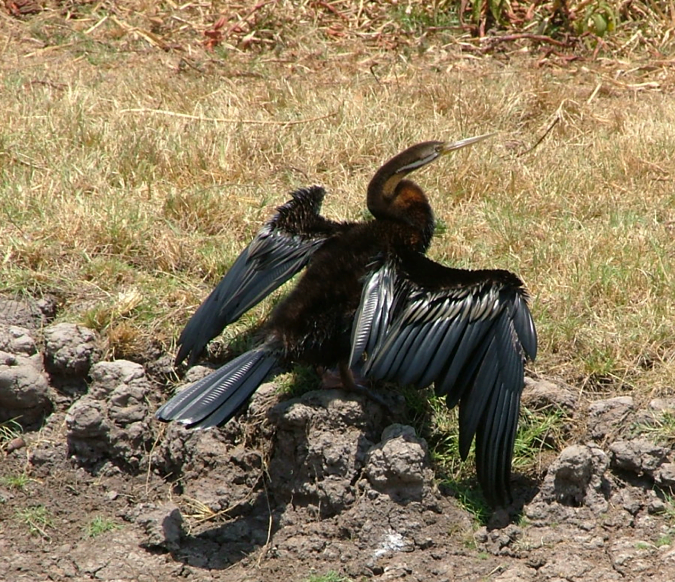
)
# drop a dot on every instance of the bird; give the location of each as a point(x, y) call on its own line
point(371, 302)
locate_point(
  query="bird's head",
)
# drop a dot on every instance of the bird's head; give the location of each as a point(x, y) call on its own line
point(382, 187)
point(426, 152)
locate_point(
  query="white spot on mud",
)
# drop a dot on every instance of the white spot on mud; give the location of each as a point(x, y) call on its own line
point(392, 542)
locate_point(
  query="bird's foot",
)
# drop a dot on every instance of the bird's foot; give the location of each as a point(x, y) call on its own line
point(332, 380)
point(344, 378)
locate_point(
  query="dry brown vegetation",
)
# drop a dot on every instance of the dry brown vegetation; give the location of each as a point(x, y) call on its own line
point(142, 144)
point(137, 157)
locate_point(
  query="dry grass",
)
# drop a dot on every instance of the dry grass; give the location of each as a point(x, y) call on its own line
point(130, 179)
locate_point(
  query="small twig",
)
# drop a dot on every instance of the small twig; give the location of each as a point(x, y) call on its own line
point(528, 36)
point(245, 19)
point(548, 130)
point(99, 23)
point(263, 551)
point(374, 74)
point(59, 86)
point(595, 92)
point(331, 9)
point(41, 531)
point(495, 570)
point(226, 119)
point(160, 434)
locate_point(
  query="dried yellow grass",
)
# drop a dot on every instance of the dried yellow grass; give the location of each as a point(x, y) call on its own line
point(129, 181)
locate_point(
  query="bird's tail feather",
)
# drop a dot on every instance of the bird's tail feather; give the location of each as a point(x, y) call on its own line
point(215, 399)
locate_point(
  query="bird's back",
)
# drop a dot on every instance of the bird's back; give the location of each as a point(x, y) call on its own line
point(314, 322)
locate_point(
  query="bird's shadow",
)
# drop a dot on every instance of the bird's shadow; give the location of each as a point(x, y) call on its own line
point(224, 545)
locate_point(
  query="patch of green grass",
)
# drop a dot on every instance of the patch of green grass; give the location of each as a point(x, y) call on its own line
point(661, 428)
point(537, 431)
point(664, 540)
point(299, 380)
point(470, 498)
point(38, 519)
point(18, 481)
point(418, 18)
point(523, 521)
point(100, 525)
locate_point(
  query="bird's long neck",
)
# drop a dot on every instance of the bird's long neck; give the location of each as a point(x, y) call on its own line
point(391, 197)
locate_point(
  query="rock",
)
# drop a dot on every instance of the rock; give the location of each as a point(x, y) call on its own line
point(163, 526)
point(24, 391)
point(542, 395)
point(70, 350)
point(15, 444)
point(665, 476)
point(399, 464)
point(656, 505)
point(630, 555)
point(499, 542)
point(517, 573)
point(575, 479)
point(17, 340)
point(638, 456)
point(631, 499)
point(21, 313)
point(609, 417)
point(114, 420)
point(577, 470)
point(321, 442)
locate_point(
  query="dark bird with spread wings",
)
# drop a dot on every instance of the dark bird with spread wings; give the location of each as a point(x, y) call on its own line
point(371, 300)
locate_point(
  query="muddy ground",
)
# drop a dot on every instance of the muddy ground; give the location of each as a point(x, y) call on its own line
point(327, 486)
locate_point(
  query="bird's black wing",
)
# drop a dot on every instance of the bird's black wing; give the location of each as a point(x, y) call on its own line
point(468, 332)
point(280, 249)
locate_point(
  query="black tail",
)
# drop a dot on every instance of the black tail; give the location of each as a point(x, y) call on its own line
point(215, 399)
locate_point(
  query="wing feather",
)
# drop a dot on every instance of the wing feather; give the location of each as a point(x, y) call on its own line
point(468, 332)
point(214, 399)
point(372, 316)
point(282, 248)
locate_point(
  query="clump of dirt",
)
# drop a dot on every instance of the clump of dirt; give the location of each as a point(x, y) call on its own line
point(95, 489)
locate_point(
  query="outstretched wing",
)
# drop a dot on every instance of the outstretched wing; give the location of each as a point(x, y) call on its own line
point(468, 332)
point(281, 249)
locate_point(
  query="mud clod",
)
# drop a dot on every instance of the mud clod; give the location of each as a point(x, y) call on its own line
point(543, 395)
point(638, 456)
point(610, 417)
point(113, 420)
point(25, 394)
point(309, 464)
point(70, 350)
point(163, 526)
point(575, 479)
point(399, 464)
point(665, 476)
point(17, 340)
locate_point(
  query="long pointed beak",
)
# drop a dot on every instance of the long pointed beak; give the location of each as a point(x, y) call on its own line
point(456, 145)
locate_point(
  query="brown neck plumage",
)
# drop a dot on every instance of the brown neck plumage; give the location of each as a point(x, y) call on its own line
point(391, 197)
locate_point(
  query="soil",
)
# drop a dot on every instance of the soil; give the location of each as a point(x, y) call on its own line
point(327, 486)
